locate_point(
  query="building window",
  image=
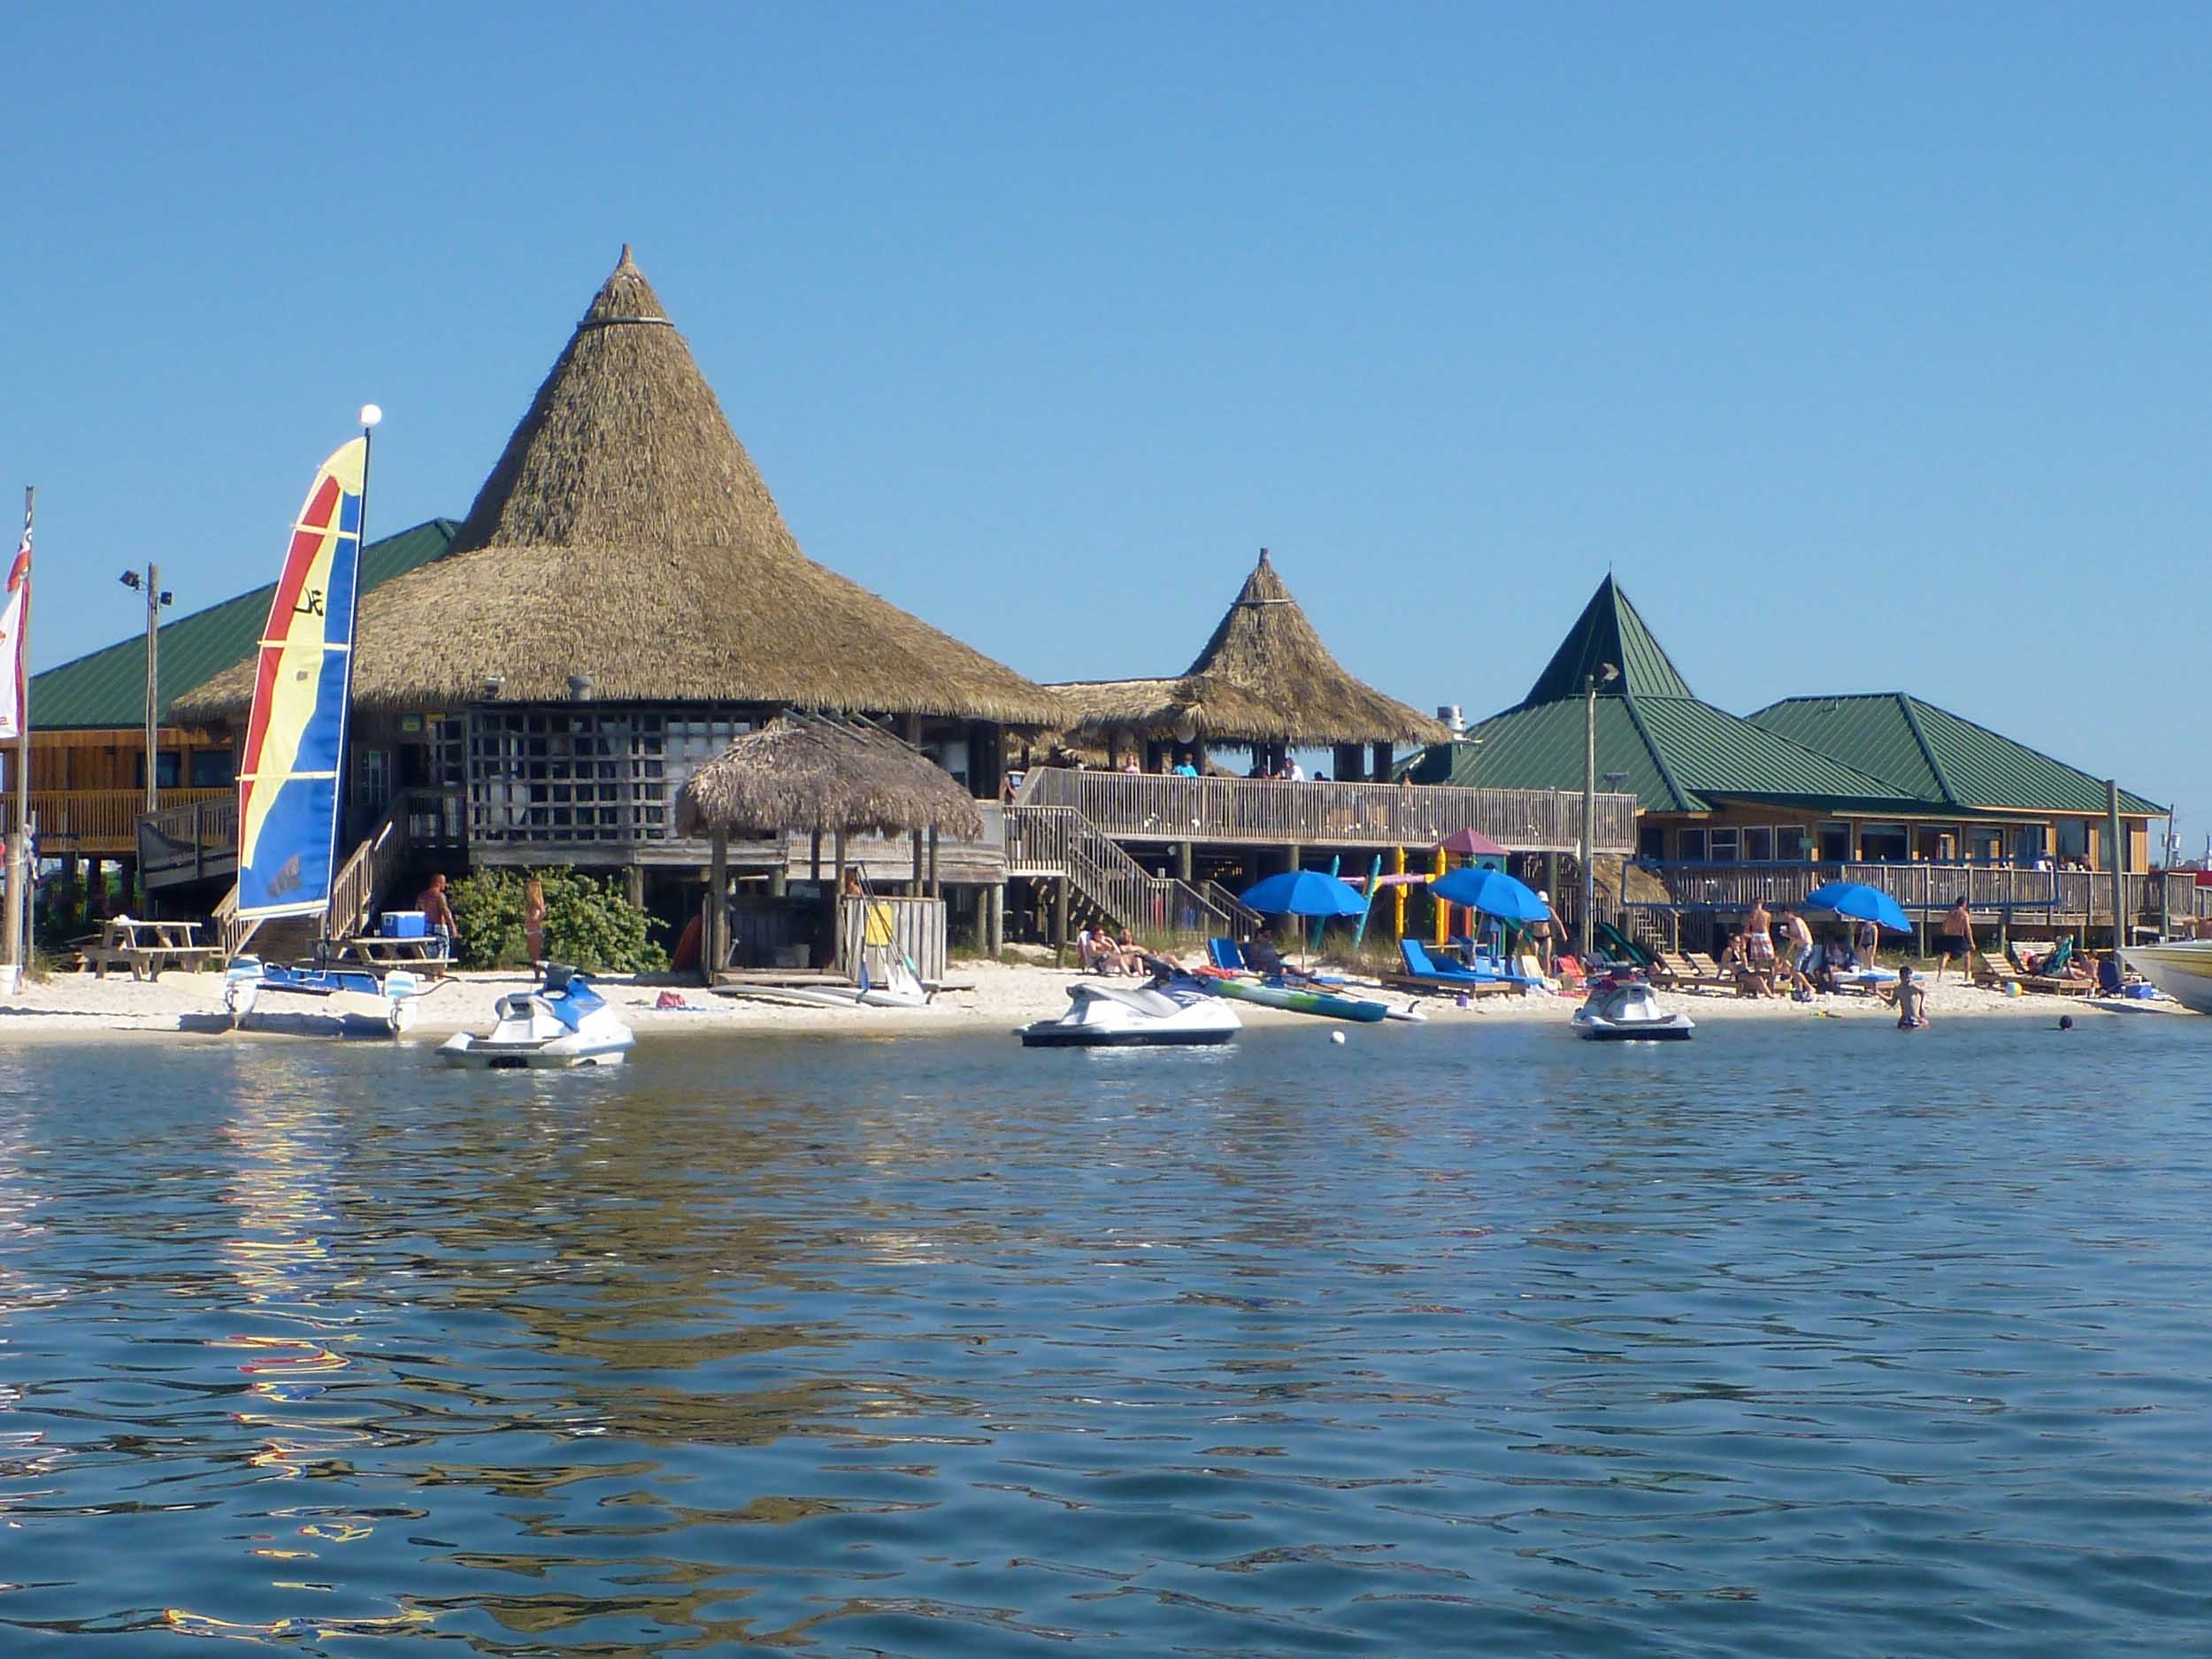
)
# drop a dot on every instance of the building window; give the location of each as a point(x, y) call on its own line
point(166, 770)
point(1758, 844)
point(1651, 842)
point(1884, 844)
point(1689, 846)
point(213, 769)
point(1835, 843)
point(1726, 844)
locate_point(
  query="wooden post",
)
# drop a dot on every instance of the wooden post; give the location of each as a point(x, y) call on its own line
point(1378, 768)
point(814, 863)
point(2119, 863)
point(916, 888)
point(1060, 922)
point(633, 885)
point(1183, 861)
point(714, 951)
point(995, 900)
point(936, 889)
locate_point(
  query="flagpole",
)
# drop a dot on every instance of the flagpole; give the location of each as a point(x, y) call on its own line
point(20, 842)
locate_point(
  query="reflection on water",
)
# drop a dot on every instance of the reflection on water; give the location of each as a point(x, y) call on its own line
point(1803, 1339)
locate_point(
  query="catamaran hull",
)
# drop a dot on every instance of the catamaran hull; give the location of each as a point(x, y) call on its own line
point(2184, 972)
point(356, 999)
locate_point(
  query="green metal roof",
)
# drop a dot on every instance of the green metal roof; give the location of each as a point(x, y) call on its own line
point(1680, 754)
point(1940, 756)
point(108, 687)
point(1608, 631)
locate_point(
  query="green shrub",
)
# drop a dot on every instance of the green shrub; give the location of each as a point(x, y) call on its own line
point(588, 923)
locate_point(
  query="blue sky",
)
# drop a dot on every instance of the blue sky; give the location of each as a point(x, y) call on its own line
point(1869, 347)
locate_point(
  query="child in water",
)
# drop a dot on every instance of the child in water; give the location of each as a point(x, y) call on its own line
point(1912, 1002)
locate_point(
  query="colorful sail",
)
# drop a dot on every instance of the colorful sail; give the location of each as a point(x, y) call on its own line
point(288, 772)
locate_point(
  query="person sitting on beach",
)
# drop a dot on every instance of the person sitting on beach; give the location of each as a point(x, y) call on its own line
point(2111, 981)
point(1911, 998)
point(1127, 953)
point(1097, 952)
point(1263, 958)
point(1955, 940)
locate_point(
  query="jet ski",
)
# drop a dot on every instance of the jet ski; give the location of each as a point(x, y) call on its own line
point(350, 996)
point(1170, 1010)
point(1627, 1011)
point(563, 1022)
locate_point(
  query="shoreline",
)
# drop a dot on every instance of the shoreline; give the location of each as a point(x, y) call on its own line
point(993, 997)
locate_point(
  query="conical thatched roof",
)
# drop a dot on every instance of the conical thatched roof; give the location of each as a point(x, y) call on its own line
point(626, 535)
point(1264, 677)
point(806, 774)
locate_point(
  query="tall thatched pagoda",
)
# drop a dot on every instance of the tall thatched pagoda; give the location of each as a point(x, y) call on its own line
point(1264, 682)
point(623, 600)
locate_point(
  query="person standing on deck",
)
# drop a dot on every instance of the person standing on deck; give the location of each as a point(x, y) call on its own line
point(1955, 940)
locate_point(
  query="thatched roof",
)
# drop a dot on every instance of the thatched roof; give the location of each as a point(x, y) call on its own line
point(1264, 677)
point(806, 774)
point(626, 535)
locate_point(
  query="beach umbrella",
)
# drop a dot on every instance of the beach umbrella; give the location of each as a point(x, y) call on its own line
point(1304, 893)
point(1493, 892)
point(1861, 904)
point(1472, 844)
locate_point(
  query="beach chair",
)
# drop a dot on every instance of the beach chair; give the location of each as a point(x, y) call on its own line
point(1227, 956)
point(1424, 972)
point(1993, 973)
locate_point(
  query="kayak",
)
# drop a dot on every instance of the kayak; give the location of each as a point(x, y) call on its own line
point(1322, 1002)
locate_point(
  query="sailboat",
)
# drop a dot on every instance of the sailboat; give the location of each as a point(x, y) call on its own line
point(295, 742)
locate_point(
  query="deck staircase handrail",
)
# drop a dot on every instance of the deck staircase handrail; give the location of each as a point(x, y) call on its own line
point(1060, 840)
point(368, 868)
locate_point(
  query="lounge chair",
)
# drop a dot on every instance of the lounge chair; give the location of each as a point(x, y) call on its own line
point(1673, 971)
point(1993, 973)
point(1227, 955)
point(1424, 972)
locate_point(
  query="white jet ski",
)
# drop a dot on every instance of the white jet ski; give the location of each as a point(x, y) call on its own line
point(1626, 1010)
point(1171, 1010)
point(563, 1023)
point(347, 995)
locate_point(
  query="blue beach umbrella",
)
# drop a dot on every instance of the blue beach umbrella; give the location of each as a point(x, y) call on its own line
point(1493, 892)
point(1304, 893)
point(1861, 904)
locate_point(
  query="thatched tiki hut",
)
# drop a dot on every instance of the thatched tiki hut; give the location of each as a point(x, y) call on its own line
point(1264, 683)
point(820, 777)
point(623, 600)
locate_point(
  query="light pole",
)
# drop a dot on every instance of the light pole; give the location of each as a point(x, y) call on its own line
point(1585, 925)
point(154, 599)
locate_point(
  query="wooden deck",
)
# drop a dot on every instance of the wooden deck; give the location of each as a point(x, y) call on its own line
point(103, 822)
point(1994, 893)
point(1144, 807)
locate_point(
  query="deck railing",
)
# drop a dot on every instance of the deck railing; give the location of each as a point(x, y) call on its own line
point(1132, 806)
point(103, 821)
point(1926, 890)
point(189, 841)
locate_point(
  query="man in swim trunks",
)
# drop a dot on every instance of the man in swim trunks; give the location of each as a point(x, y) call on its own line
point(1758, 938)
point(1912, 1001)
point(1955, 939)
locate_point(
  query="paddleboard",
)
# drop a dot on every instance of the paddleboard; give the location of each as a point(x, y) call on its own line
point(1321, 1003)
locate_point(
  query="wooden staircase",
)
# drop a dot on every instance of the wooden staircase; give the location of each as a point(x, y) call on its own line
point(1107, 885)
point(367, 871)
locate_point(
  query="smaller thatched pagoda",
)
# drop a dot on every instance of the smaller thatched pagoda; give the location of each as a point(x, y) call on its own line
point(808, 775)
point(1264, 682)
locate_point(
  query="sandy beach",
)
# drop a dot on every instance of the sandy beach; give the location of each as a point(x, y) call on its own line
point(980, 995)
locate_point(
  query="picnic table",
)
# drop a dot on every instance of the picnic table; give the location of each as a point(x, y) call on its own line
point(146, 947)
point(426, 952)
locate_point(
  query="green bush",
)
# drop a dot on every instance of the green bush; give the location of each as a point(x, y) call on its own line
point(588, 924)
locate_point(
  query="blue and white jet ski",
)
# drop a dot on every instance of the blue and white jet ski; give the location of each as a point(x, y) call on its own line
point(562, 1023)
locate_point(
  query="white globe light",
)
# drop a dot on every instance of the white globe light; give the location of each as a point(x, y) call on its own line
point(371, 414)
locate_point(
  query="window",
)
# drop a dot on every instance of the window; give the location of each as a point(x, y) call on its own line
point(166, 770)
point(1883, 844)
point(1651, 842)
point(1726, 846)
point(1758, 844)
point(1835, 843)
point(213, 769)
point(1689, 846)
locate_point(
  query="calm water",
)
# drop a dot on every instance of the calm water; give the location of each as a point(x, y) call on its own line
point(1813, 1341)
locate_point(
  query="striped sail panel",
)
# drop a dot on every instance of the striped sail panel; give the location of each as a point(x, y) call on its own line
point(288, 773)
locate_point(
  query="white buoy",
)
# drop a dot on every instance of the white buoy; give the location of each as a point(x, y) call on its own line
point(1336, 1036)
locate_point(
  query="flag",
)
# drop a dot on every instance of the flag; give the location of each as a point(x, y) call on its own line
point(14, 671)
